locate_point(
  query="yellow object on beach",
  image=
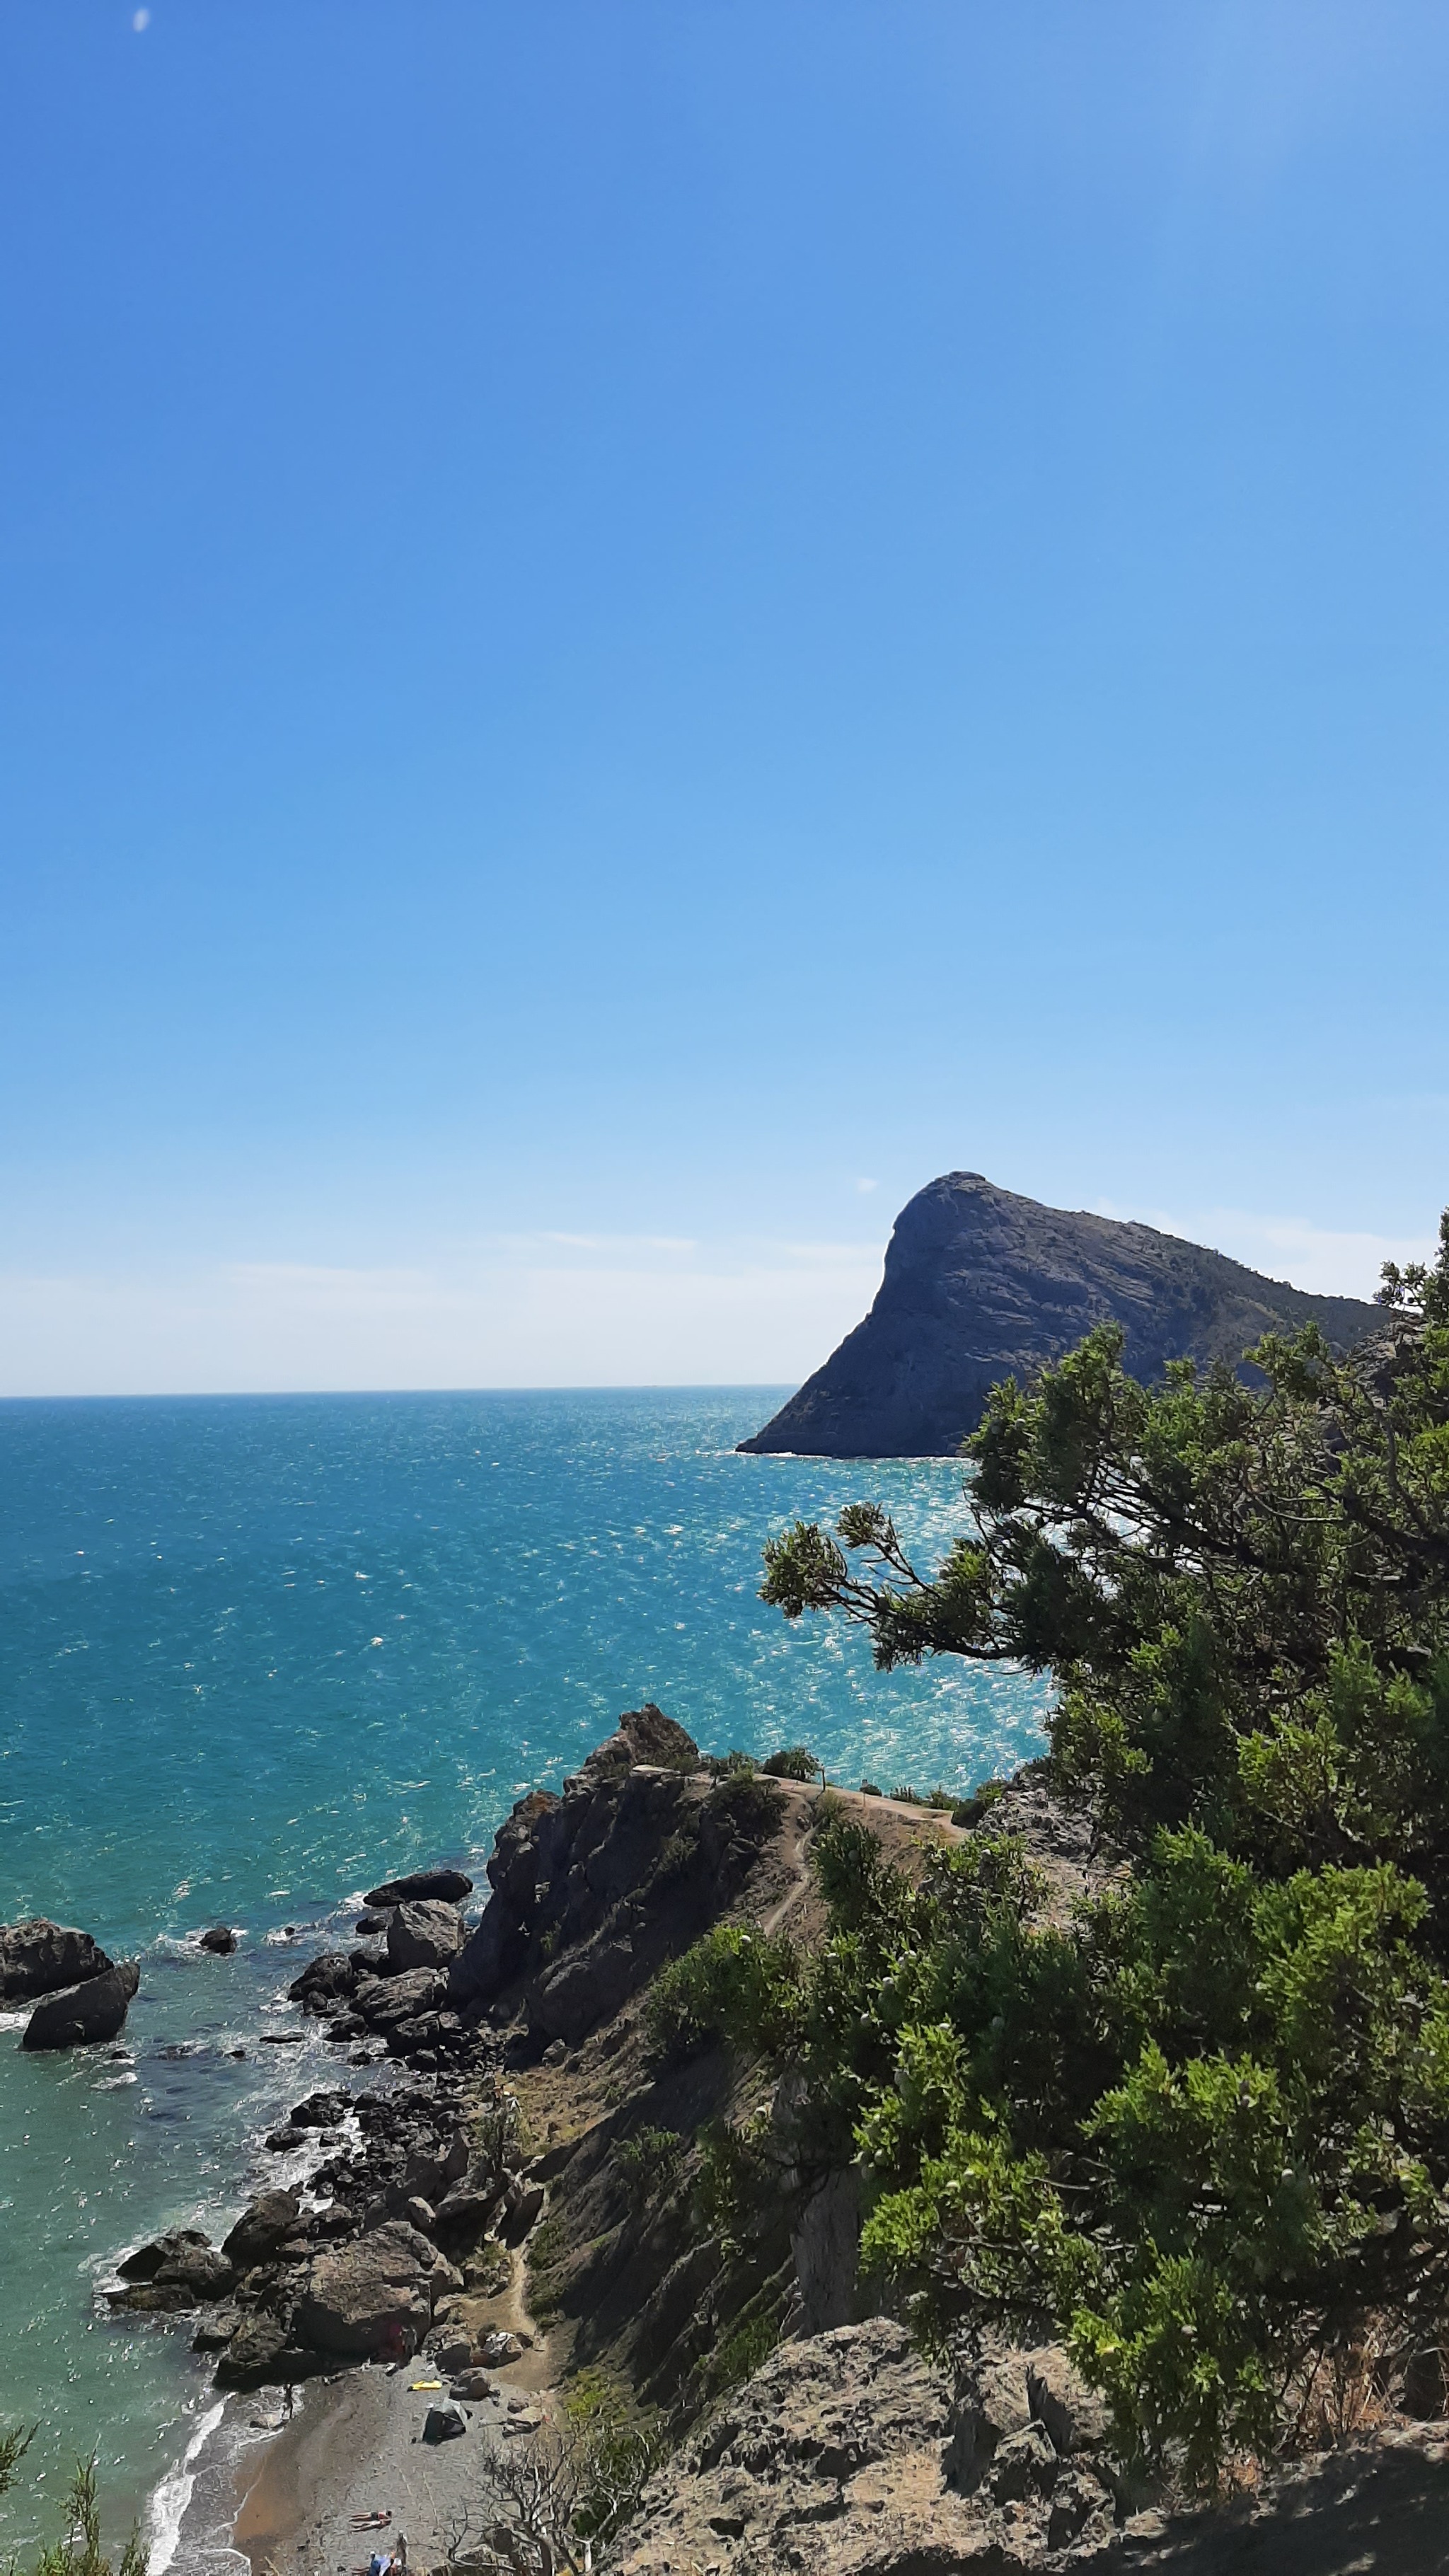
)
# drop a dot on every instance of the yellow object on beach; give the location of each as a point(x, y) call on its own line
point(425, 2383)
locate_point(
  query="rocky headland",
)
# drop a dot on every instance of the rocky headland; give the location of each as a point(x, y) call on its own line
point(981, 1285)
point(526, 2199)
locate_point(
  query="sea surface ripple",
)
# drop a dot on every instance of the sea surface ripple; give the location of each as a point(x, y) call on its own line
point(256, 1653)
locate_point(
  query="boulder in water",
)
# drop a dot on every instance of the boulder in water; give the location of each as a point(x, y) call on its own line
point(220, 1940)
point(75, 2016)
point(147, 2260)
point(39, 1958)
point(447, 1884)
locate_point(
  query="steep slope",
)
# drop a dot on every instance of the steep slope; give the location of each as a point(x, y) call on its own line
point(980, 1285)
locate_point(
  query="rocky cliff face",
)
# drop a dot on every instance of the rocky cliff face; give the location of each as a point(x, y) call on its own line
point(981, 1285)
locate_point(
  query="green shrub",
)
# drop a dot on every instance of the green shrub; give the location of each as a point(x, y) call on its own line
point(736, 1984)
point(970, 1811)
point(651, 2158)
point(736, 2180)
point(746, 1808)
point(743, 2353)
point(869, 1789)
point(796, 1762)
point(78, 2552)
point(1202, 2122)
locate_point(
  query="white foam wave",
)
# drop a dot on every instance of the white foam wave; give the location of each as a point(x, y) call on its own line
point(167, 2507)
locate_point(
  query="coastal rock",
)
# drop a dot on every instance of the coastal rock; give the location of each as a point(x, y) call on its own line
point(373, 2297)
point(448, 1884)
point(39, 1958)
point(220, 1940)
point(261, 2228)
point(464, 2214)
point(563, 1870)
point(423, 1934)
point(982, 1285)
point(265, 2351)
point(217, 2329)
point(324, 2110)
point(325, 1981)
point(147, 2260)
point(187, 2277)
point(78, 2015)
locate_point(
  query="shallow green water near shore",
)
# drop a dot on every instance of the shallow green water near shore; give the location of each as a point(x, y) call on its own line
point(257, 1653)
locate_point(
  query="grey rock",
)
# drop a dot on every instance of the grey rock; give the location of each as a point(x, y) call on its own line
point(990, 2405)
point(264, 2351)
point(424, 1934)
point(372, 2297)
point(326, 1980)
point(1075, 2416)
point(39, 1957)
point(220, 1940)
point(584, 1989)
point(261, 2228)
point(81, 2014)
point(982, 1285)
point(523, 2208)
point(463, 2214)
point(1025, 2464)
point(449, 1885)
point(188, 2277)
point(217, 2330)
point(323, 2110)
point(147, 2260)
point(386, 2002)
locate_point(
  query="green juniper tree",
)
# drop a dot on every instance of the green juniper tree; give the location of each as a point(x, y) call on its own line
point(78, 2552)
point(1203, 2122)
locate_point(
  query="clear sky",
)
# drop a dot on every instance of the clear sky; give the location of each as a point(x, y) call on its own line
point(629, 626)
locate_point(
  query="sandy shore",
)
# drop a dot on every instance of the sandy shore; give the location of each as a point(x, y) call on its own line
point(355, 2446)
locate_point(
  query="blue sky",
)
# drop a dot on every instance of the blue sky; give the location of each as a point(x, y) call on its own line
point(626, 629)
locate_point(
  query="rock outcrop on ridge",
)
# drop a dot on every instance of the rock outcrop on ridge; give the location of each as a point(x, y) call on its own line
point(981, 1285)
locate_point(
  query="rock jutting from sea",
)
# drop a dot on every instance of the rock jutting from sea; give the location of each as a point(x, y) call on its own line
point(79, 1994)
point(981, 1285)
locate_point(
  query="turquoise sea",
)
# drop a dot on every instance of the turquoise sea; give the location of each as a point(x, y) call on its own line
point(256, 1653)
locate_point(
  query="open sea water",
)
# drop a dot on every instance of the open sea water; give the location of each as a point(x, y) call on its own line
point(259, 1653)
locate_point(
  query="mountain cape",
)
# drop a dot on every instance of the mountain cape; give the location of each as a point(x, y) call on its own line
point(981, 1285)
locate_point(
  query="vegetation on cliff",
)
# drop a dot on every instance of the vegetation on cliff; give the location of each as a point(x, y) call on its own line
point(1202, 2121)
